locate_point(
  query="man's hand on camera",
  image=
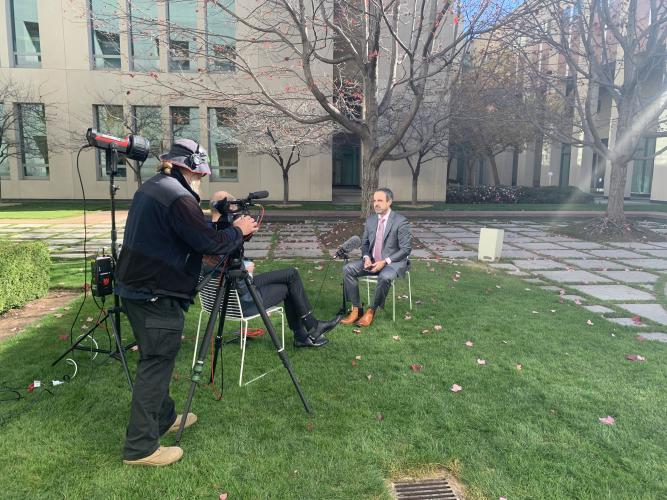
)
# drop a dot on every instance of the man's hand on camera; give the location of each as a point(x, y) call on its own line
point(246, 224)
point(367, 263)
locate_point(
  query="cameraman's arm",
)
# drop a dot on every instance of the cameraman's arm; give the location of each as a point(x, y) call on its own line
point(188, 222)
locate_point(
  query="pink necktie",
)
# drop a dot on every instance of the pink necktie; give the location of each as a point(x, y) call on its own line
point(377, 246)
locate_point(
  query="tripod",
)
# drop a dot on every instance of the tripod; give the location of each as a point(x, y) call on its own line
point(111, 160)
point(232, 274)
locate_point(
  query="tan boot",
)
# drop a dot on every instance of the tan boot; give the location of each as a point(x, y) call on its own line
point(367, 318)
point(189, 420)
point(164, 455)
point(354, 315)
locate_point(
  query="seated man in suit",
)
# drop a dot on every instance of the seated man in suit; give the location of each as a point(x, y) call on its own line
point(385, 247)
point(282, 285)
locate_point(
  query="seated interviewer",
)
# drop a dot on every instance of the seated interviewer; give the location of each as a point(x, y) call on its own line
point(385, 247)
point(283, 285)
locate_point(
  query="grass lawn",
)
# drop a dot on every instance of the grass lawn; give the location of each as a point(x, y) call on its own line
point(44, 209)
point(529, 433)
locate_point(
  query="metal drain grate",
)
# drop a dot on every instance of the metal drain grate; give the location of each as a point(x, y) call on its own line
point(425, 489)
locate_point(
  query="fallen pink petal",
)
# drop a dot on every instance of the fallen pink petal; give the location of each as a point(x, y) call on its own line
point(481, 361)
point(416, 367)
point(469, 343)
point(608, 420)
point(456, 388)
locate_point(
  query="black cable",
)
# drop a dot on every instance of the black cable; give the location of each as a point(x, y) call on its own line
point(326, 275)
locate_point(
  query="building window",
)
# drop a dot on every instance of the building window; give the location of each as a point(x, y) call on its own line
point(144, 36)
point(185, 123)
point(25, 33)
point(148, 123)
point(182, 16)
point(223, 150)
point(220, 37)
point(105, 33)
point(565, 156)
point(32, 138)
point(109, 119)
point(598, 170)
point(642, 171)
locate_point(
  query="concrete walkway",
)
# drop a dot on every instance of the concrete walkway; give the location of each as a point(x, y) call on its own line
point(614, 281)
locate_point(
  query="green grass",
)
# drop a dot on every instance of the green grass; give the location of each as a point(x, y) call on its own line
point(530, 433)
point(47, 210)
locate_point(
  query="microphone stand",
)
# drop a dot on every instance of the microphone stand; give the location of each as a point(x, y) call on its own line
point(341, 253)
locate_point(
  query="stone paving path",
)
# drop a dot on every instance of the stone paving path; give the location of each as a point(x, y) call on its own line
point(623, 276)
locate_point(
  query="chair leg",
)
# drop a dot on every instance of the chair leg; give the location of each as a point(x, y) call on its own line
point(194, 354)
point(244, 338)
point(393, 301)
point(368, 292)
point(409, 290)
point(282, 329)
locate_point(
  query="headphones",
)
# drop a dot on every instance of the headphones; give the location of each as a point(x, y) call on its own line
point(198, 157)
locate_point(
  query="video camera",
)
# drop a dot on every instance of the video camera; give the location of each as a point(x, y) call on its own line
point(230, 210)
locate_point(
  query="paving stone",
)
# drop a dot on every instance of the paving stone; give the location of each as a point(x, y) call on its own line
point(581, 245)
point(457, 254)
point(535, 281)
point(626, 322)
point(255, 253)
point(565, 253)
point(573, 298)
point(538, 264)
point(616, 254)
point(654, 312)
point(631, 276)
point(504, 266)
point(551, 288)
point(662, 244)
point(420, 253)
point(539, 245)
point(574, 276)
point(594, 264)
point(633, 245)
point(658, 252)
point(658, 264)
point(518, 254)
point(599, 309)
point(67, 255)
point(614, 292)
point(299, 252)
point(660, 337)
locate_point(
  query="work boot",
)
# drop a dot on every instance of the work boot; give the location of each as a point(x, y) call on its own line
point(355, 314)
point(164, 455)
point(189, 420)
point(367, 318)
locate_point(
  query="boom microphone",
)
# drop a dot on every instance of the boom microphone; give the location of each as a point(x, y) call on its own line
point(258, 195)
point(134, 147)
point(351, 244)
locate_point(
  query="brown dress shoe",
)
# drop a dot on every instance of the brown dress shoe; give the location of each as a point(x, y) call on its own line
point(164, 455)
point(354, 315)
point(367, 318)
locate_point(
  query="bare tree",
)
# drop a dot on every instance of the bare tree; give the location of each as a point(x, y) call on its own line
point(578, 52)
point(263, 131)
point(350, 57)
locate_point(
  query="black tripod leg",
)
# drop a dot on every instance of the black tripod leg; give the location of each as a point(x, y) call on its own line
point(280, 349)
point(121, 353)
point(222, 297)
point(217, 347)
point(82, 338)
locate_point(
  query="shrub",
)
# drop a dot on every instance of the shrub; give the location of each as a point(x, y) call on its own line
point(24, 272)
point(517, 194)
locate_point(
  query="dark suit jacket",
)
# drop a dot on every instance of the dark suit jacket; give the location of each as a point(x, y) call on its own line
point(397, 243)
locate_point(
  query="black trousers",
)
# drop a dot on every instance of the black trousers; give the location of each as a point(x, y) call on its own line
point(355, 270)
point(284, 285)
point(158, 327)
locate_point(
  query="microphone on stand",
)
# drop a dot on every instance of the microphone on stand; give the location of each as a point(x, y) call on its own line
point(351, 244)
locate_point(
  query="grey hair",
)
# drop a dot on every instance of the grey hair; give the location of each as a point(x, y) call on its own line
point(386, 191)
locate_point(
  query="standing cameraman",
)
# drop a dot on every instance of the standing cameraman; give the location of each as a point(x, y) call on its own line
point(166, 235)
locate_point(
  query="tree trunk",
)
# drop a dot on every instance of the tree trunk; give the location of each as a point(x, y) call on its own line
point(537, 162)
point(615, 208)
point(285, 187)
point(494, 169)
point(415, 178)
point(370, 177)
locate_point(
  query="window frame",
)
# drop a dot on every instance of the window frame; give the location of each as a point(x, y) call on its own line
point(21, 143)
point(216, 169)
point(102, 56)
point(14, 51)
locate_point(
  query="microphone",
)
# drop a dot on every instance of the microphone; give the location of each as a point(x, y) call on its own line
point(258, 195)
point(351, 244)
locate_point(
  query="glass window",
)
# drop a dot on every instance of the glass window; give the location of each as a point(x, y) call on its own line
point(221, 36)
point(148, 123)
point(105, 32)
point(565, 155)
point(144, 36)
point(25, 33)
point(185, 123)
point(642, 171)
point(32, 137)
point(222, 146)
point(182, 17)
point(109, 119)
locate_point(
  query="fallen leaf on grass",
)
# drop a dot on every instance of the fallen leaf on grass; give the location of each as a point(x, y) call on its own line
point(469, 343)
point(519, 366)
point(635, 357)
point(369, 376)
point(577, 301)
point(536, 312)
point(358, 358)
point(63, 337)
point(407, 317)
point(425, 331)
point(589, 322)
point(354, 362)
point(379, 417)
point(418, 302)
point(416, 368)
point(637, 320)
point(553, 310)
point(89, 319)
point(437, 328)
point(456, 388)
point(58, 315)
point(481, 361)
point(608, 420)
point(310, 427)
point(356, 330)
point(396, 337)
point(223, 496)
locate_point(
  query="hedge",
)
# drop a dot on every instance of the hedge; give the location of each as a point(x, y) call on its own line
point(24, 272)
point(517, 194)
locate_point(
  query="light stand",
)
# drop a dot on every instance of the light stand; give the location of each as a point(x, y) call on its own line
point(111, 160)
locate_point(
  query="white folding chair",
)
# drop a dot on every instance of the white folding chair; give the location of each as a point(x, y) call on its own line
point(374, 279)
point(234, 313)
